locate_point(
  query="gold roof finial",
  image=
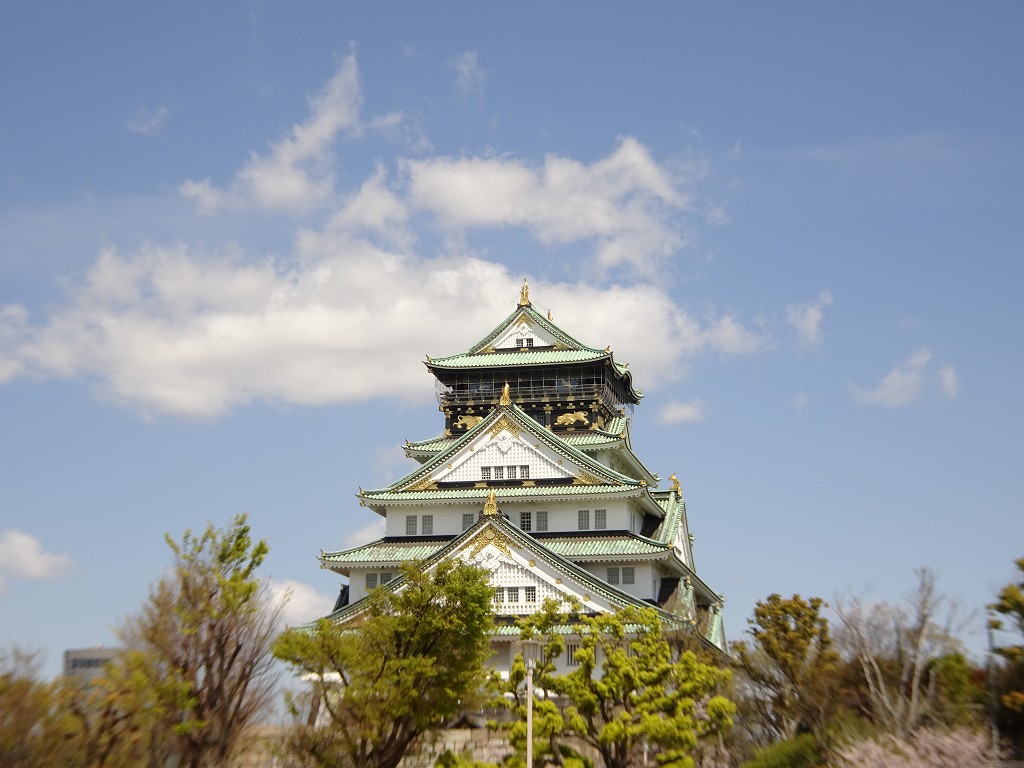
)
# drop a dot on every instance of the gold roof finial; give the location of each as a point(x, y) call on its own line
point(491, 505)
point(550, 316)
point(524, 295)
point(675, 484)
point(506, 398)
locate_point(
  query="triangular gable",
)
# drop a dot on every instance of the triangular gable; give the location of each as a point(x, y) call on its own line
point(526, 322)
point(508, 437)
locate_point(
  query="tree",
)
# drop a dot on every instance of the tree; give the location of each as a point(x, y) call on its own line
point(628, 689)
point(197, 671)
point(1010, 606)
point(406, 665)
point(895, 646)
point(788, 667)
point(35, 732)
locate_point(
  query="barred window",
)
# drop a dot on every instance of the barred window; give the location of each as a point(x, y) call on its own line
point(526, 521)
point(613, 575)
point(542, 521)
point(529, 342)
point(371, 580)
point(485, 473)
point(530, 594)
point(600, 518)
point(524, 471)
point(511, 472)
point(386, 577)
point(499, 473)
point(519, 342)
point(467, 520)
point(410, 525)
point(428, 525)
point(499, 595)
point(512, 594)
point(584, 519)
point(570, 654)
point(628, 575)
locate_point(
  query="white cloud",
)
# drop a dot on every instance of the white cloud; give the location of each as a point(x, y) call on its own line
point(806, 319)
point(469, 76)
point(302, 603)
point(675, 412)
point(22, 557)
point(623, 202)
point(909, 380)
point(365, 534)
point(298, 172)
point(148, 122)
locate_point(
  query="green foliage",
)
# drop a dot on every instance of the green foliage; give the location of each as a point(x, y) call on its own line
point(799, 752)
point(403, 667)
point(450, 760)
point(628, 687)
point(790, 666)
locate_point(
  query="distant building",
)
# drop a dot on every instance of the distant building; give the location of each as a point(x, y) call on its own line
point(535, 478)
point(87, 664)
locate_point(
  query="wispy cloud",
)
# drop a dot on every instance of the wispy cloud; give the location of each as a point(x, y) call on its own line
point(22, 557)
point(806, 318)
point(148, 121)
point(675, 412)
point(469, 76)
point(909, 380)
point(302, 603)
point(298, 173)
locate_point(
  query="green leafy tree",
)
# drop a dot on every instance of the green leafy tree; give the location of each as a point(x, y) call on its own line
point(197, 670)
point(1009, 609)
point(35, 731)
point(788, 667)
point(628, 688)
point(404, 667)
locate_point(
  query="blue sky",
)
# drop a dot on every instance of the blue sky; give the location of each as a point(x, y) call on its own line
point(230, 233)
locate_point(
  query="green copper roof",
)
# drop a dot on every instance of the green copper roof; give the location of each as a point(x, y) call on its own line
point(512, 492)
point(517, 358)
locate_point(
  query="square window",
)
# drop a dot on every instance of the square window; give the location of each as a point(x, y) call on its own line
point(529, 342)
point(613, 575)
point(628, 575)
point(385, 578)
point(512, 594)
point(499, 473)
point(428, 525)
point(584, 519)
point(467, 520)
point(371, 580)
point(511, 472)
point(526, 521)
point(542, 521)
point(519, 342)
point(485, 473)
point(530, 594)
point(600, 518)
point(524, 471)
point(499, 595)
point(410, 525)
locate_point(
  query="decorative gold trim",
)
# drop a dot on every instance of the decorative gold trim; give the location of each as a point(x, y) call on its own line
point(503, 424)
point(505, 399)
point(424, 485)
point(489, 537)
point(491, 505)
point(585, 478)
point(524, 295)
point(675, 484)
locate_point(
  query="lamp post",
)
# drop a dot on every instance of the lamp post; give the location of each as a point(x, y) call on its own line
point(531, 650)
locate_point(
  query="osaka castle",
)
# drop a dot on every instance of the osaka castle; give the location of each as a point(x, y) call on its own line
point(534, 478)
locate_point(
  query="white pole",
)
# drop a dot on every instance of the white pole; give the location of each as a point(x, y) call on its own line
point(529, 715)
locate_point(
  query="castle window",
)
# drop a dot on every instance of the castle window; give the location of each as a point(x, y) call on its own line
point(511, 472)
point(485, 473)
point(512, 594)
point(613, 575)
point(428, 525)
point(530, 594)
point(628, 575)
point(524, 471)
point(467, 520)
point(542, 521)
point(410, 525)
point(526, 521)
point(499, 595)
point(600, 518)
point(584, 519)
point(570, 654)
point(386, 577)
point(499, 473)
point(371, 580)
